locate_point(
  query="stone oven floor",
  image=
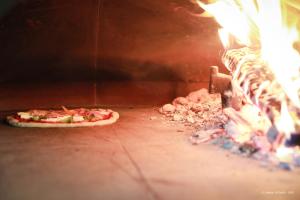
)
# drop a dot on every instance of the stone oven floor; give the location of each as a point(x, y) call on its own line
point(140, 157)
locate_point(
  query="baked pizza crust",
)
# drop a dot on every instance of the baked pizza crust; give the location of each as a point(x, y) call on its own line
point(14, 122)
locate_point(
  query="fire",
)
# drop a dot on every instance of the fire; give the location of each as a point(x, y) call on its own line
point(261, 23)
point(231, 18)
point(277, 49)
point(266, 27)
point(285, 123)
point(284, 154)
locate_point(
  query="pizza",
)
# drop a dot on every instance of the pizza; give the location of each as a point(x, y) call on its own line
point(81, 117)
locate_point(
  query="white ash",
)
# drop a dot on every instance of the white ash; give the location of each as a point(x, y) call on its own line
point(153, 118)
point(202, 136)
point(199, 109)
point(168, 108)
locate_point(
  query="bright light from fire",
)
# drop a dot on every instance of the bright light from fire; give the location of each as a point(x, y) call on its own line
point(284, 154)
point(261, 24)
point(250, 21)
point(285, 123)
point(231, 18)
point(277, 48)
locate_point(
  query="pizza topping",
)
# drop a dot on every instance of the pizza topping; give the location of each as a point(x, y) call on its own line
point(81, 117)
point(35, 118)
point(63, 119)
point(65, 115)
point(78, 118)
point(24, 115)
point(39, 113)
point(95, 115)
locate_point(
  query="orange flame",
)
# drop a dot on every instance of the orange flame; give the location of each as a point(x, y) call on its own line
point(262, 24)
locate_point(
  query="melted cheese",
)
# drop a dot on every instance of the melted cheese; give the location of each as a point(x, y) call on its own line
point(25, 115)
point(78, 118)
point(58, 119)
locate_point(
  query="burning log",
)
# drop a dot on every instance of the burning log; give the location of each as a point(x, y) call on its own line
point(253, 84)
point(252, 79)
point(263, 100)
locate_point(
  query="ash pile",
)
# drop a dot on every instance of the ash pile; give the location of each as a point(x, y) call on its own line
point(229, 129)
point(199, 109)
point(262, 100)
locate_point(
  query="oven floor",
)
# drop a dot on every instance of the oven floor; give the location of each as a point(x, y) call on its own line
point(140, 157)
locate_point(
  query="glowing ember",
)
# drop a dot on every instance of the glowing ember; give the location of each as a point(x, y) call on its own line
point(266, 71)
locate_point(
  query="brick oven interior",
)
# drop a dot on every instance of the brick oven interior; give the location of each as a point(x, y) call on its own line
point(132, 56)
point(158, 49)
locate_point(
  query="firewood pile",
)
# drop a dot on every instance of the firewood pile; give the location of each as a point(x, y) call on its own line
point(253, 82)
point(258, 97)
point(260, 111)
point(250, 124)
point(261, 97)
